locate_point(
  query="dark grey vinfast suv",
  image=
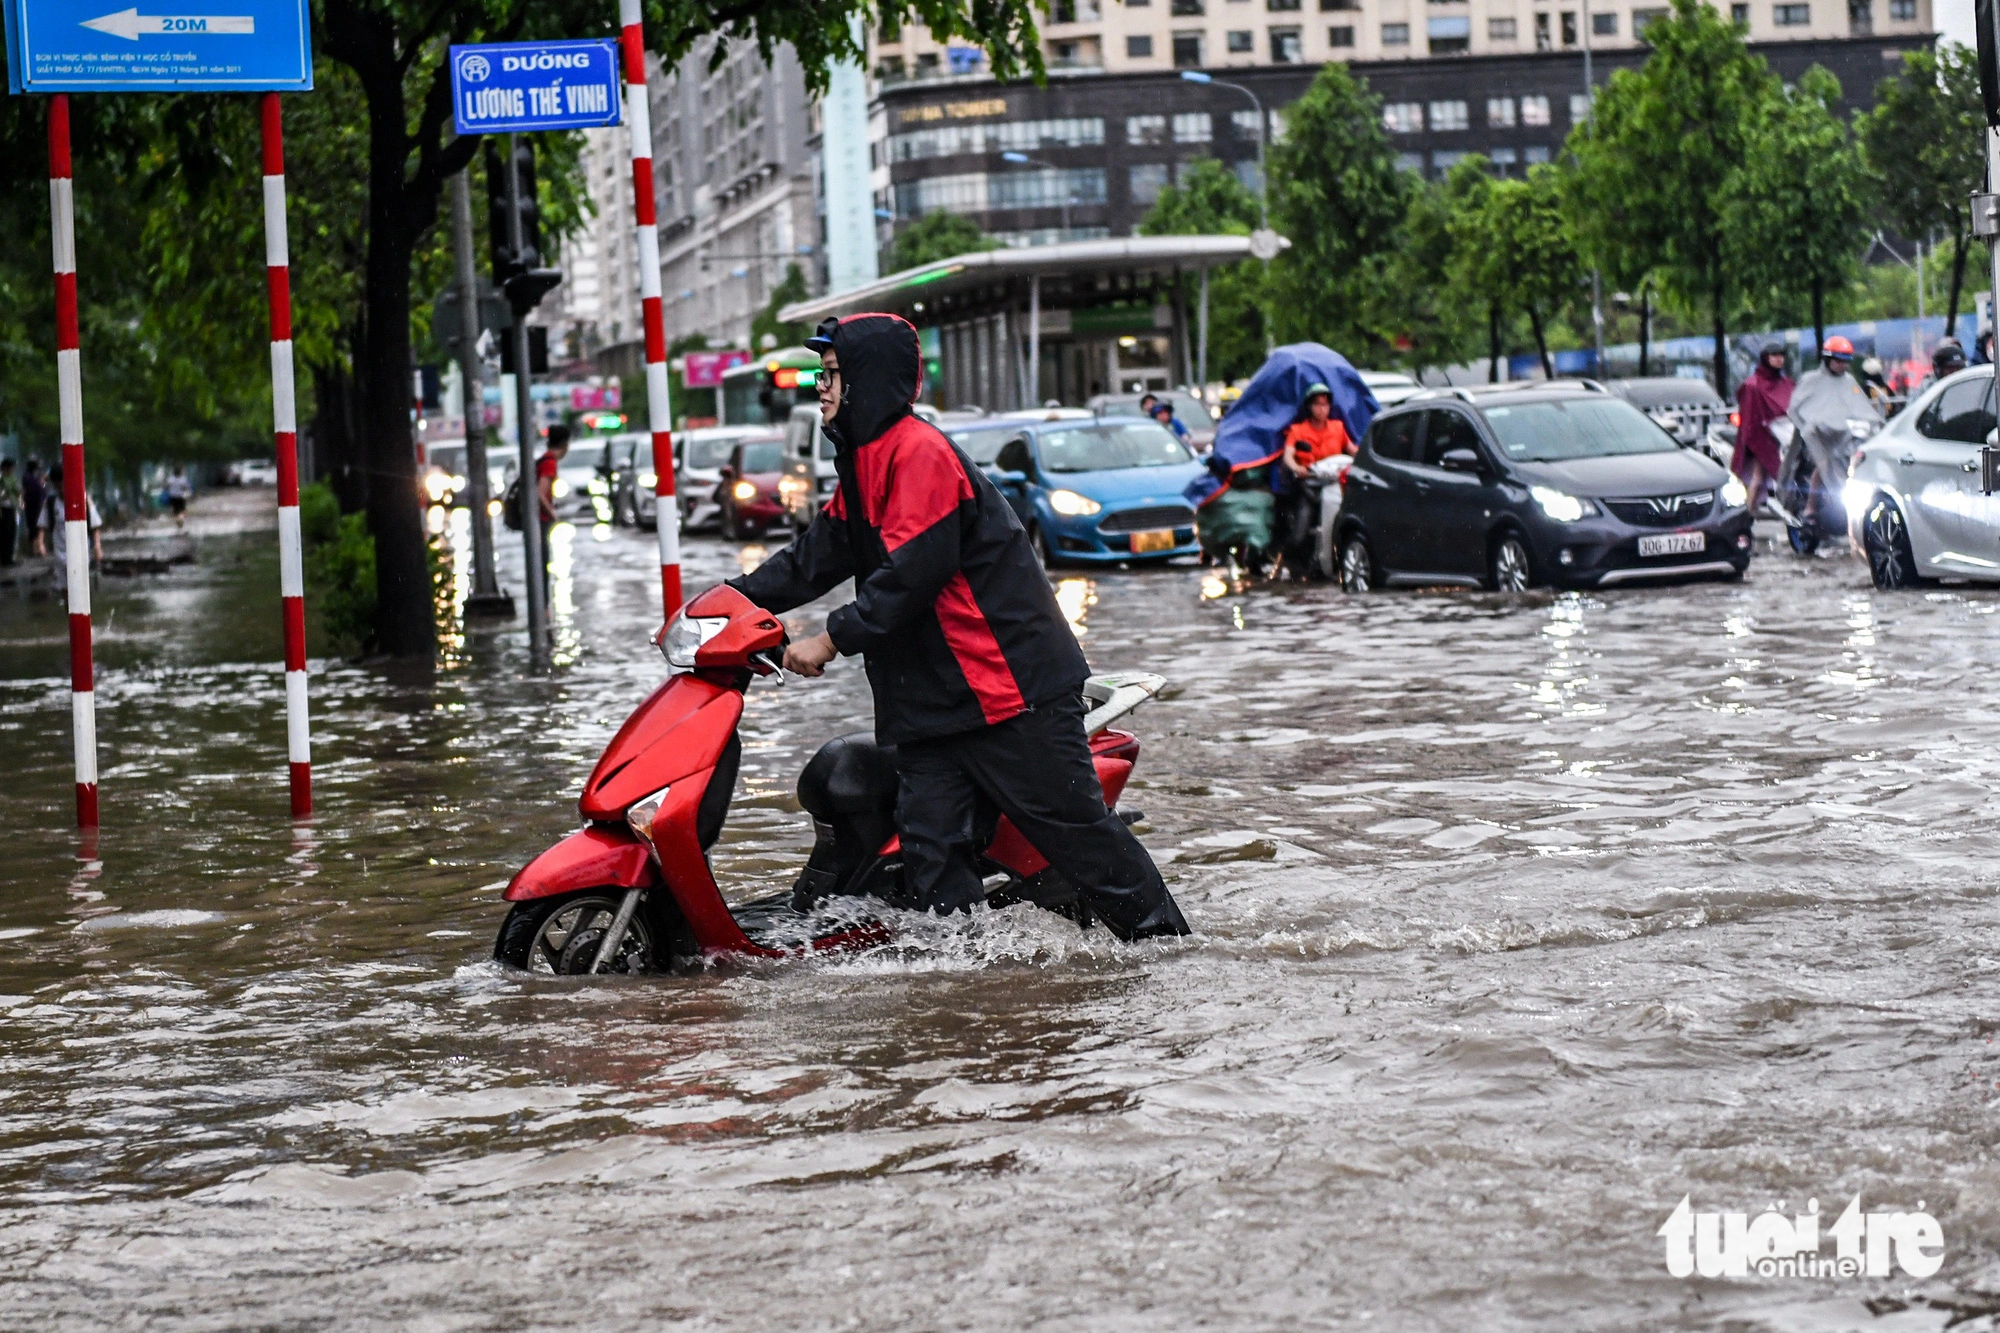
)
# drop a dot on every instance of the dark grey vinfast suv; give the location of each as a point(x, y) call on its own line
point(1512, 485)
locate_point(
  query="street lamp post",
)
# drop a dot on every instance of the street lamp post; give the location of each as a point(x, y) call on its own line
point(1263, 132)
point(1069, 196)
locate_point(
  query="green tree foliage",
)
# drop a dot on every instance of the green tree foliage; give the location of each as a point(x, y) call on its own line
point(1925, 141)
point(1337, 193)
point(793, 288)
point(1209, 200)
point(1438, 318)
point(1655, 158)
point(936, 236)
point(1512, 249)
point(1796, 207)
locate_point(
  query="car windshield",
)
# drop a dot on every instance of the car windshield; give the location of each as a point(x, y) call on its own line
point(586, 456)
point(764, 456)
point(1188, 410)
point(1566, 428)
point(1105, 448)
point(709, 453)
point(983, 446)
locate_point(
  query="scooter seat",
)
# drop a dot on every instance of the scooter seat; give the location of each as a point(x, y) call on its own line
point(851, 775)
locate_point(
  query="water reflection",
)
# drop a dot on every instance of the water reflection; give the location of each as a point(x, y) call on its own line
point(1076, 596)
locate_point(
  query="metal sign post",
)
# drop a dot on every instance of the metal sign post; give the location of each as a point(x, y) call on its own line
point(65, 46)
point(659, 411)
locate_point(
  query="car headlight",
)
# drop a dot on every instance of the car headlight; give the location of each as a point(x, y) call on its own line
point(686, 635)
point(1559, 505)
point(743, 490)
point(437, 485)
point(1735, 494)
point(1855, 495)
point(1072, 505)
point(790, 485)
point(599, 486)
point(647, 481)
point(639, 816)
point(558, 488)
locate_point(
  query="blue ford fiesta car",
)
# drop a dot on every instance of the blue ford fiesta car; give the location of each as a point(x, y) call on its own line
point(1091, 490)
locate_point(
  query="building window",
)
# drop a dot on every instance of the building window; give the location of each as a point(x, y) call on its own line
point(1338, 37)
point(1579, 108)
point(1018, 136)
point(1336, 6)
point(927, 63)
point(1188, 9)
point(1403, 117)
point(1903, 10)
point(1542, 42)
point(1791, 16)
point(892, 28)
point(1503, 160)
point(1534, 111)
point(1187, 50)
point(1138, 48)
point(1241, 42)
point(1247, 173)
point(1449, 116)
point(1245, 125)
point(1500, 113)
point(1740, 15)
point(1860, 17)
point(1448, 36)
point(1603, 25)
point(1569, 28)
point(1410, 162)
point(1288, 46)
point(1074, 11)
point(1395, 34)
point(1145, 129)
point(1645, 18)
point(1535, 156)
point(1193, 127)
point(1443, 161)
point(1148, 179)
point(1281, 6)
point(1502, 30)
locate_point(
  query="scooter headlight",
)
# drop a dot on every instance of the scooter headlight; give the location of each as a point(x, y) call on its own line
point(686, 635)
point(1735, 494)
point(639, 816)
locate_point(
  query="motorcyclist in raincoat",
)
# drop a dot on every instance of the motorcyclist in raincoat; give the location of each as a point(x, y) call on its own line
point(1832, 416)
point(1761, 400)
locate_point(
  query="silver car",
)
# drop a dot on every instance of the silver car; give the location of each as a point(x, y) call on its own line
point(1912, 494)
point(699, 456)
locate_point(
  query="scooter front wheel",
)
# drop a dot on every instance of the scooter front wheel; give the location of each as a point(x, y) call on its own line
point(560, 936)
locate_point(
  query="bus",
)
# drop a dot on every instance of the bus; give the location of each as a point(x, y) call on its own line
point(764, 392)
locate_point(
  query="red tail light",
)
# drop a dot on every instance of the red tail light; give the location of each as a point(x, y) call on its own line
point(1735, 418)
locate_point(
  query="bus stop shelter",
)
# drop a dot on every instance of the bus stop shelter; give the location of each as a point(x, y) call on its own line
point(1013, 328)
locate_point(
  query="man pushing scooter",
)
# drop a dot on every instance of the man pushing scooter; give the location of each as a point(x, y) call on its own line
point(976, 676)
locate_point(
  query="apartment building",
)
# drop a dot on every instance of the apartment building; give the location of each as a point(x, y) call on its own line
point(597, 306)
point(1148, 35)
point(734, 184)
point(1089, 152)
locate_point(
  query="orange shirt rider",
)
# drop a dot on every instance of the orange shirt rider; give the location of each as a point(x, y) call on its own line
point(1319, 435)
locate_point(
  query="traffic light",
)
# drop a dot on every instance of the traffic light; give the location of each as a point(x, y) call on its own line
point(538, 352)
point(509, 260)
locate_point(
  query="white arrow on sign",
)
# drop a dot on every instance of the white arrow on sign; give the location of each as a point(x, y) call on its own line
point(130, 24)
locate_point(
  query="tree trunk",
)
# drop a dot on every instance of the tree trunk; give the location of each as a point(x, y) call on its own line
point(1541, 342)
point(1492, 342)
point(1645, 323)
point(1819, 308)
point(1721, 342)
point(1957, 284)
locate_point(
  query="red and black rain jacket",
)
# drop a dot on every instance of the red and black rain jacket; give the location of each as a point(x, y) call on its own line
point(952, 612)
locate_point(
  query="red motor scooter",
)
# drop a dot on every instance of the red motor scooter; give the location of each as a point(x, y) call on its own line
point(632, 890)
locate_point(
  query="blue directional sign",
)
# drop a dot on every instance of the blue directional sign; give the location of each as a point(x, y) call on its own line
point(505, 87)
point(83, 46)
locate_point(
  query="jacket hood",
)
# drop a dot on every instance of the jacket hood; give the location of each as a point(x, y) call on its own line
point(881, 374)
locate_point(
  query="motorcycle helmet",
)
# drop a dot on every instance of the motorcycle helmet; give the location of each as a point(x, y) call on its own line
point(1948, 358)
point(1315, 389)
point(1837, 348)
point(1770, 349)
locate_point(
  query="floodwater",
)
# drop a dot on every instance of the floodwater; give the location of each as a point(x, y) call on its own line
point(1518, 919)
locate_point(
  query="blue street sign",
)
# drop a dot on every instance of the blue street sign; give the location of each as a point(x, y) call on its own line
point(93, 46)
point(503, 87)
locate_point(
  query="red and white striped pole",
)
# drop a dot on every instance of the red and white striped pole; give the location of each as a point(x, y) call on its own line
point(639, 125)
point(284, 425)
point(76, 502)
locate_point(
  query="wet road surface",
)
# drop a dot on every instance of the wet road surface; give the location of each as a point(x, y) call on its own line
point(1517, 920)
